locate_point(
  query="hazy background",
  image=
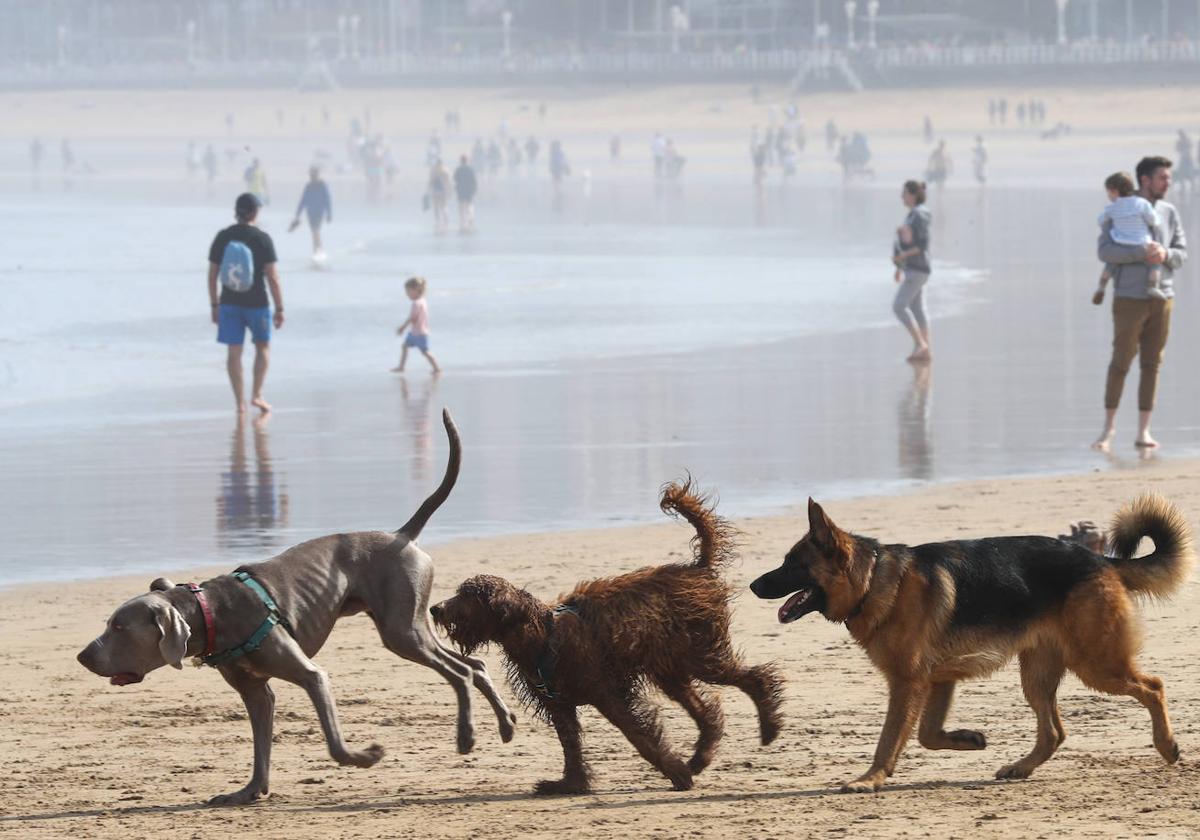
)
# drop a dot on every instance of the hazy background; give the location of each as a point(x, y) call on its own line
point(600, 337)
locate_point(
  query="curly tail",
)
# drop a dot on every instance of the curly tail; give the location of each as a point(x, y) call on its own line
point(713, 544)
point(1161, 572)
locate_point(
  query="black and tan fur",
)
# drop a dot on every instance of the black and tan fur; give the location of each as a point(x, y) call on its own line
point(931, 615)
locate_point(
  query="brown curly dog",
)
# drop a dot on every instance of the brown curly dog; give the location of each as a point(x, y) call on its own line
point(609, 639)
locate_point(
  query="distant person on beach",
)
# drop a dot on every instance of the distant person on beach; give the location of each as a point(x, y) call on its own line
point(1140, 322)
point(466, 185)
point(317, 206)
point(210, 163)
point(559, 168)
point(36, 152)
point(940, 166)
point(67, 155)
point(417, 325)
point(1130, 220)
point(438, 194)
point(979, 159)
point(1185, 167)
point(831, 135)
point(242, 260)
point(928, 130)
point(910, 255)
point(256, 181)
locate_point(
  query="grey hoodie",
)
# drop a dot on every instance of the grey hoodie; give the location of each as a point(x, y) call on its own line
point(919, 219)
point(1130, 260)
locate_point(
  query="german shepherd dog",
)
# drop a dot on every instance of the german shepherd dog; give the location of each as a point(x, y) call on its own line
point(610, 639)
point(931, 615)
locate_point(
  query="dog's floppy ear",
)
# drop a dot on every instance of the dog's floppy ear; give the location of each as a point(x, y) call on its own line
point(161, 585)
point(820, 526)
point(175, 634)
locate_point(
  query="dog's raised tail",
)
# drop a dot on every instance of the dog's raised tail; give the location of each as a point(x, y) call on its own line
point(1164, 570)
point(713, 544)
point(412, 528)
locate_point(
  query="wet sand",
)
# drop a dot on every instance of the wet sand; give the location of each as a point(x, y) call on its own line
point(90, 760)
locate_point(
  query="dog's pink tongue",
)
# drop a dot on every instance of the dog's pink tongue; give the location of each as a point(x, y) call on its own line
point(125, 679)
point(789, 603)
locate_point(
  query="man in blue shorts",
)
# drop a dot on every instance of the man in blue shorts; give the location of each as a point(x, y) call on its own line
point(241, 262)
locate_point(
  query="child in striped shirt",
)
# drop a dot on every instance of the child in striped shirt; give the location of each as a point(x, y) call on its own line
point(1133, 222)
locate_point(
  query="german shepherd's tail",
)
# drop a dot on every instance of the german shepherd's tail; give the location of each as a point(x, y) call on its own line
point(1164, 570)
point(412, 528)
point(713, 545)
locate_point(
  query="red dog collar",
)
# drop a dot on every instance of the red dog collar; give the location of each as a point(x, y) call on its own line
point(210, 626)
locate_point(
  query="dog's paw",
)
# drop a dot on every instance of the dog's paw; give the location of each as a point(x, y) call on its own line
point(699, 763)
point(245, 796)
point(681, 777)
point(967, 739)
point(508, 727)
point(368, 757)
point(1014, 771)
point(1170, 751)
point(864, 785)
point(560, 787)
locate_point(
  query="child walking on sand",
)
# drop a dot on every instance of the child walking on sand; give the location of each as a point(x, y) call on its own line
point(417, 325)
point(1134, 222)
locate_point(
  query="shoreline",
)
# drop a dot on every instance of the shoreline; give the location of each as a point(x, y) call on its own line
point(903, 490)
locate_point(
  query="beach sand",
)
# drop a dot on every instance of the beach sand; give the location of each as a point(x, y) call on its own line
point(85, 759)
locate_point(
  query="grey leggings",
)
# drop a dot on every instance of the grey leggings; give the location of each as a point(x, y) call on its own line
point(909, 297)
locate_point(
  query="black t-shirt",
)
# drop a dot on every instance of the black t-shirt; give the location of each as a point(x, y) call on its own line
point(263, 250)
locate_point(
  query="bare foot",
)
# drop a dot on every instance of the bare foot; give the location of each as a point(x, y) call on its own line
point(1104, 442)
point(921, 355)
point(261, 404)
point(397, 370)
point(1144, 441)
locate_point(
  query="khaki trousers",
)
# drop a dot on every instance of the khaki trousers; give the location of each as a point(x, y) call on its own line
point(1140, 329)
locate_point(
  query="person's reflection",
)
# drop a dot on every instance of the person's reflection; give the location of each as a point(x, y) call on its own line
point(418, 421)
point(912, 418)
point(250, 506)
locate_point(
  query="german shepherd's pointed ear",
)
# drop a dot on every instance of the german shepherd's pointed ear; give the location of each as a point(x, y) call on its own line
point(820, 527)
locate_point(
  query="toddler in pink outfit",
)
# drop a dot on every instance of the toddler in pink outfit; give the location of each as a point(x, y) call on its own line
point(417, 324)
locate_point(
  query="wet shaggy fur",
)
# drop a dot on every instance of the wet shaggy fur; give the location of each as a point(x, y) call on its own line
point(664, 626)
point(931, 615)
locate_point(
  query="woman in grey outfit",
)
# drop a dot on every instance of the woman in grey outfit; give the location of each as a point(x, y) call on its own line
point(910, 254)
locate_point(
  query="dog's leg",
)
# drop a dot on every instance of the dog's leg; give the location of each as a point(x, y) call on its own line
point(576, 777)
point(764, 686)
point(932, 734)
point(706, 712)
point(1041, 671)
point(286, 661)
point(639, 723)
point(483, 682)
point(416, 643)
point(260, 707)
point(906, 698)
point(1124, 678)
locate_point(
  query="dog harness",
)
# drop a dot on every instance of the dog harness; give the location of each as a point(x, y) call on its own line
point(548, 658)
point(252, 644)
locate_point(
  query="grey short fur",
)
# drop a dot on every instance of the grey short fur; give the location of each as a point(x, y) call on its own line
point(384, 574)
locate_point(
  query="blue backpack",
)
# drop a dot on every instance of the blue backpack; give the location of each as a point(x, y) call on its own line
point(237, 267)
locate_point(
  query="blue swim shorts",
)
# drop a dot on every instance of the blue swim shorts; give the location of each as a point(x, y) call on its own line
point(233, 320)
point(421, 342)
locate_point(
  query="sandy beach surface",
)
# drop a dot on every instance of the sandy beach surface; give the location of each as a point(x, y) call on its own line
point(85, 759)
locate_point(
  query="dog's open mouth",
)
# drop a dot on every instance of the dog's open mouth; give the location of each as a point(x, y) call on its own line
point(801, 604)
point(125, 678)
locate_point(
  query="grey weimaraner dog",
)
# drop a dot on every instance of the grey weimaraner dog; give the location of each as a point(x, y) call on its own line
point(310, 587)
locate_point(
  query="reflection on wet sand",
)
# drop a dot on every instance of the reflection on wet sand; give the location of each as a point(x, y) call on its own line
point(913, 427)
point(418, 421)
point(250, 506)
